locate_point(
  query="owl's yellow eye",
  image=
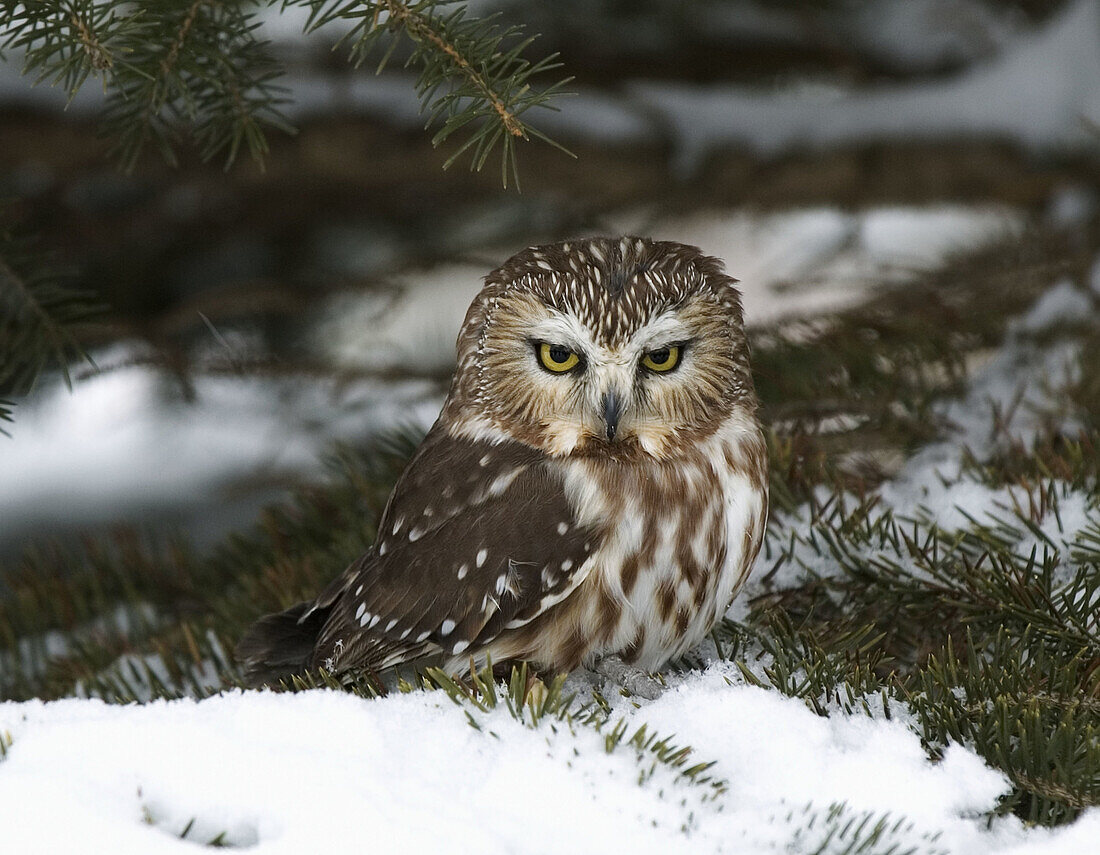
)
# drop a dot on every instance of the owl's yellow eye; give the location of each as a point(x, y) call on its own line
point(557, 358)
point(663, 359)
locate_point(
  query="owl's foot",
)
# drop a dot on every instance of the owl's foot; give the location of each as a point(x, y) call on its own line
point(633, 680)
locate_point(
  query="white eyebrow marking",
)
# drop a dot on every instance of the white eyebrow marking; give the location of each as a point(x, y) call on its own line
point(662, 331)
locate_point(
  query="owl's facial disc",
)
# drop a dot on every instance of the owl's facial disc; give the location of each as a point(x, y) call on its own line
point(608, 394)
point(615, 348)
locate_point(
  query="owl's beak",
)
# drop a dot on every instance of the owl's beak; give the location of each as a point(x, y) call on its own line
point(612, 410)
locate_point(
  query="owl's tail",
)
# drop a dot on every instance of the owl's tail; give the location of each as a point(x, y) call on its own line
point(280, 645)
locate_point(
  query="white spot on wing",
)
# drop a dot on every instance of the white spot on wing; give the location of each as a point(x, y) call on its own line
point(463, 570)
point(503, 482)
point(482, 554)
point(447, 627)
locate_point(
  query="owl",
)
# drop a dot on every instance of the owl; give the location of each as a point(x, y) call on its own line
point(593, 491)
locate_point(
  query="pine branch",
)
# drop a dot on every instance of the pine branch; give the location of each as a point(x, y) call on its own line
point(197, 70)
point(467, 81)
point(211, 78)
point(65, 41)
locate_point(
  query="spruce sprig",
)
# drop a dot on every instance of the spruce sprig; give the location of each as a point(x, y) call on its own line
point(199, 71)
point(472, 73)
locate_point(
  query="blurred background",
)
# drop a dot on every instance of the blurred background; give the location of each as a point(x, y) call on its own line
point(836, 154)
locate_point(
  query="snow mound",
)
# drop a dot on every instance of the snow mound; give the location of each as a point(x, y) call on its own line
point(316, 771)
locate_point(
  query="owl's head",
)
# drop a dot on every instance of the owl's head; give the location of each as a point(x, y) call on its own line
point(606, 346)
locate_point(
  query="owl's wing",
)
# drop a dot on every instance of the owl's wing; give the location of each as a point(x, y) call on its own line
point(477, 538)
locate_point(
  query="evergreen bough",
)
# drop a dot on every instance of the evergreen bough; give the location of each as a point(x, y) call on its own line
point(199, 69)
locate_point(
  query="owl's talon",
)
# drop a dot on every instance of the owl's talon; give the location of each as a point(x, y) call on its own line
point(535, 692)
point(633, 680)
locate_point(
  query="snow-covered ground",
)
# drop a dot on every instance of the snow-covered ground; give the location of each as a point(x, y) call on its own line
point(120, 446)
point(1040, 91)
point(788, 264)
point(125, 445)
point(321, 771)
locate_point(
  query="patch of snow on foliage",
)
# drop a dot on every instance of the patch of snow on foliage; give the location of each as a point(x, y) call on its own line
point(1012, 399)
point(1064, 304)
point(930, 34)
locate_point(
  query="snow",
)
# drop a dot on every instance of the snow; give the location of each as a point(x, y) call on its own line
point(930, 34)
point(1072, 206)
point(408, 773)
point(1064, 304)
point(322, 771)
point(317, 771)
point(35, 652)
point(804, 262)
point(1037, 91)
point(906, 35)
point(1017, 394)
point(412, 327)
point(123, 444)
point(1038, 88)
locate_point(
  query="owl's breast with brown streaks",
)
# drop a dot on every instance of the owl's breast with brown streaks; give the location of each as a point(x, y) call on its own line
point(674, 542)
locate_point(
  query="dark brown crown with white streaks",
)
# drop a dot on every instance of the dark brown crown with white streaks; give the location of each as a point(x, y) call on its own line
point(615, 285)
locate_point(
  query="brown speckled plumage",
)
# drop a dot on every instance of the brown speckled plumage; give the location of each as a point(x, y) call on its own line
point(527, 526)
